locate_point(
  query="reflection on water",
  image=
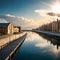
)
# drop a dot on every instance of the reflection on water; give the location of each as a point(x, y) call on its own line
point(39, 47)
point(53, 40)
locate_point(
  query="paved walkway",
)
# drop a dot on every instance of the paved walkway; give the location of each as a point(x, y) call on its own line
point(47, 32)
point(10, 47)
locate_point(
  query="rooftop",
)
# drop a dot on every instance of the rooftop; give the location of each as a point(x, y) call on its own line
point(4, 25)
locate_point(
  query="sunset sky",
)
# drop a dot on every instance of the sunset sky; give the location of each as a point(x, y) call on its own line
point(29, 11)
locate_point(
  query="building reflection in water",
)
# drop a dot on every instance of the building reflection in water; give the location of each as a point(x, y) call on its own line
point(53, 39)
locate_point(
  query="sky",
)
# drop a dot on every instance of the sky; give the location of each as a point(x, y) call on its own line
point(24, 8)
point(32, 11)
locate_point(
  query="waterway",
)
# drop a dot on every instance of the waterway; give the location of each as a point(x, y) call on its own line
point(39, 47)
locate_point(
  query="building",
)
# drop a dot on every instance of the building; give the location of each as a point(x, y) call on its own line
point(56, 26)
point(6, 28)
point(17, 29)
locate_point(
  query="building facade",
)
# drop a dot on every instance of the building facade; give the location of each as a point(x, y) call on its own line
point(6, 28)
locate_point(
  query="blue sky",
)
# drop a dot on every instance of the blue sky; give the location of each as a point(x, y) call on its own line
point(23, 7)
point(26, 13)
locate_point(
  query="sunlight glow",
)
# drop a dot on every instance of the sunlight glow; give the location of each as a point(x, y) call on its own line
point(56, 8)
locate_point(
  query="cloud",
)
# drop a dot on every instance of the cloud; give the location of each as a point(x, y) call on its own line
point(9, 15)
point(50, 14)
point(53, 14)
point(3, 21)
point(25, 23)
point(41, 12)
point(46, 13)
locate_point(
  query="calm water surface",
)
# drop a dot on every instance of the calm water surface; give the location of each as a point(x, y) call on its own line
point(36, 47)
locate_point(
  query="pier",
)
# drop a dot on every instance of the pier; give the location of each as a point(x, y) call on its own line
point(9, 51)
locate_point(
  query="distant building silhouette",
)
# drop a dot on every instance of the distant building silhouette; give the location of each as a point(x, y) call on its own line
point(52, 27)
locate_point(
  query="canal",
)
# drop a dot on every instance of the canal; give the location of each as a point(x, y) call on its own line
point(39, 47)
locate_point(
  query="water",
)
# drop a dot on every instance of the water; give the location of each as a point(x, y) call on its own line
point(37, 47)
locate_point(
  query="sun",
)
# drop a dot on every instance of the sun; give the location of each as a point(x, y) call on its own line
point(56, 8)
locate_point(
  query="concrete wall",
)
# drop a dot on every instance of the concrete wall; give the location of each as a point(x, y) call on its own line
point(4, 40)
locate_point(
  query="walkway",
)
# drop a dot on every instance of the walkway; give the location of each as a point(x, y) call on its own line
point(5, 52)
point(47, 32)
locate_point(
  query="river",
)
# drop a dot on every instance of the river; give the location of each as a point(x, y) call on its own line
point(39, 47)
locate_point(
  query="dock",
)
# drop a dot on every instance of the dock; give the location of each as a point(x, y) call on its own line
point(9, 51)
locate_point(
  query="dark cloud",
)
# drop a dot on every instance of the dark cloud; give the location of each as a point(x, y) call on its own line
point(53, 14)
point(50, 14)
